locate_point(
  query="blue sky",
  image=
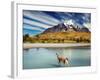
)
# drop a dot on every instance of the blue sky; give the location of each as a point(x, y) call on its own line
point(35, 22)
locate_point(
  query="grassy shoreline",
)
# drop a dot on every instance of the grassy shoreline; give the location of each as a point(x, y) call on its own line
point(59, 37)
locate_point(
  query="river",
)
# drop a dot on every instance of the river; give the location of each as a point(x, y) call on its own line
point(37, 58)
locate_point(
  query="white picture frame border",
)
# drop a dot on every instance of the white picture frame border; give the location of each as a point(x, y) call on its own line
point(17, 43)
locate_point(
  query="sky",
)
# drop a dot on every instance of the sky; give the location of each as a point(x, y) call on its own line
point(35, 22)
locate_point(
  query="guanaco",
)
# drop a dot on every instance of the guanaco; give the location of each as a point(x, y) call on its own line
point(62, 59)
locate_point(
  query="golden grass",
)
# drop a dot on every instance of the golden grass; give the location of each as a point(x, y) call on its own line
point(62, 37)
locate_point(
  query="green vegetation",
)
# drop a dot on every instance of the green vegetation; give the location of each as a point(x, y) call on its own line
point(59, 37)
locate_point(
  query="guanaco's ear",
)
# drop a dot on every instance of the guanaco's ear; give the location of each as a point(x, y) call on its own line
point(67, 58)
point(56, 54)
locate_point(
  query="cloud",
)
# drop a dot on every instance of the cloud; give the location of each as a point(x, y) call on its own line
point(42, 17)
point(36, 23)
point(88, 25)
point(41, 20)
point(32, 28)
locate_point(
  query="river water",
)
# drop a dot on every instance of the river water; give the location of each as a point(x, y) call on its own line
point(37, 58)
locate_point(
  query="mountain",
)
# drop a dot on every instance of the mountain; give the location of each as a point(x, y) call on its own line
point(62, 33)
point(66, 28)
point(84, 29)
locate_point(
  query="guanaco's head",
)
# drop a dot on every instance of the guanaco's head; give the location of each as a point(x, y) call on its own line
point(67, 59)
